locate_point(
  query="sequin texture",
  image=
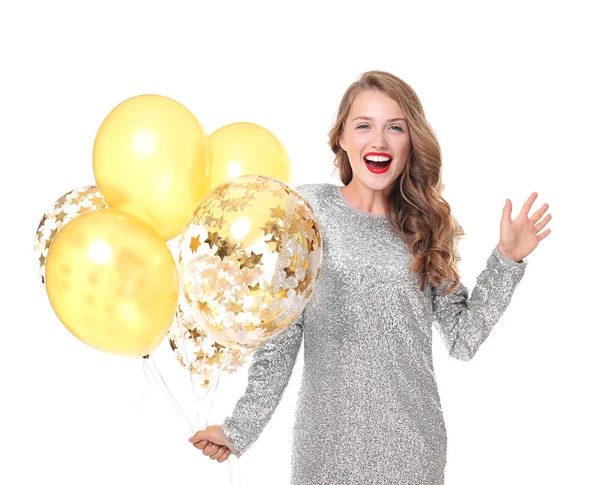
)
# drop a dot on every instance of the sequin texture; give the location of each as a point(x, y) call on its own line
point(368, 394)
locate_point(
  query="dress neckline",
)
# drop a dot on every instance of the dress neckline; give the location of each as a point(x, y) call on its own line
point(340, 194)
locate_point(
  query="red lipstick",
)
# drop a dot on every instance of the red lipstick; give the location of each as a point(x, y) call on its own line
point(378, 167)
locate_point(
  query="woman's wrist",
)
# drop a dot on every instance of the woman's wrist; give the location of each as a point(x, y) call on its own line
point(508, 255)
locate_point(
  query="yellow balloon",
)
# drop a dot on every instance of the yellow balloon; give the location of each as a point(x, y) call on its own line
point(151, 158)
point(247, 149)
point(112, 282)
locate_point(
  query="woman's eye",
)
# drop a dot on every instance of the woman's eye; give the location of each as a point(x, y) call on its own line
point(366, 126)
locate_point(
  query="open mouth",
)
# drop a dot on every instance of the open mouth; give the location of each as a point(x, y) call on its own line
point(377, 163)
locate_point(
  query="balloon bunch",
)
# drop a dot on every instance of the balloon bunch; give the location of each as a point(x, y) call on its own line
point(247, 246)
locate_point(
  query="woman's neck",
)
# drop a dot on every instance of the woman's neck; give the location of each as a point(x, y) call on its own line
point(365, 198)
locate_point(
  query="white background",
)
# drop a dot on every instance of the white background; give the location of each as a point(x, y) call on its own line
point(512, 93)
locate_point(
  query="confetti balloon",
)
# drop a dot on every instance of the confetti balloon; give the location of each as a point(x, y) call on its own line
point(249, 258)
point(112, 282)
point(151, 158)
point(198, 353)
point(66, 208)
point(245, 149)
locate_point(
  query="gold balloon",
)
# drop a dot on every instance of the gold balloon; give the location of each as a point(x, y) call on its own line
point(247, 149)
point(112, 282)
point(151, 159)
point(249, 259)
point(204, 358)
point(66, 208)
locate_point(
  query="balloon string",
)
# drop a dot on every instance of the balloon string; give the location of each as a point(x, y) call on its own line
point(165, 388)
point(188, 366)
point(198, 391)
point(224, 363)
point(150, 379)
point(235, 478)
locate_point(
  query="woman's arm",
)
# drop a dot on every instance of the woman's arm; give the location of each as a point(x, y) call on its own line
point(268, 376)
point(465, 322)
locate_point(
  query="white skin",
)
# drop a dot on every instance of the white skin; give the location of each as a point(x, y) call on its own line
point(375, 123)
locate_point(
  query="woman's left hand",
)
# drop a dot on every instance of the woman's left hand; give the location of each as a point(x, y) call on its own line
point(519, 237)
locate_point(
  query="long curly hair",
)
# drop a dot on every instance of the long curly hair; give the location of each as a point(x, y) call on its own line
point(416, 209)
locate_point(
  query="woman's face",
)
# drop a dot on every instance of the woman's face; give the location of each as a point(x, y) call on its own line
point(376, 139)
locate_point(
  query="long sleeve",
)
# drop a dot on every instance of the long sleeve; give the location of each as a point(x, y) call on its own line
point(465, 322)
point(268, 376)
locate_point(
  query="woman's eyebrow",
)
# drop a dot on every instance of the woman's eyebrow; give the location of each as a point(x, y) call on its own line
point(370, 118)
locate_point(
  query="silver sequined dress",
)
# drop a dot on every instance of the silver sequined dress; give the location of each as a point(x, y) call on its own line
point(368, 410)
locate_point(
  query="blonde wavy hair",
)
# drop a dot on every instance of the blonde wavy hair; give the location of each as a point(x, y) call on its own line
point(416, 208)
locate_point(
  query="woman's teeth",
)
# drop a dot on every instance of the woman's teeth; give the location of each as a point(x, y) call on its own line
point(373, 158)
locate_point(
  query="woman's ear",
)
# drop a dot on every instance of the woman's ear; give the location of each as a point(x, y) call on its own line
point(341, 142)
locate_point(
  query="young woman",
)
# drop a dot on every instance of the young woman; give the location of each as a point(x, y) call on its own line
point(369, 409)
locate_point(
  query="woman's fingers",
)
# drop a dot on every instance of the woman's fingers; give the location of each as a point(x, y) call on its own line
point(215, 451)
point(528, 203)
point(209, 434)
point(540, 225)
point(219, 453)
point(225, 456)
point(202, 435)
point(539, 213)
point(210, 449)
point(200, 444)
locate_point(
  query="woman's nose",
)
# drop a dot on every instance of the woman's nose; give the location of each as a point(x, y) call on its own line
point(379, 142)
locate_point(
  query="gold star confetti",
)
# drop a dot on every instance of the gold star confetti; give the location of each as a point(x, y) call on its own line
point(255, 288)
point(305, 283)
point(60, 217)
point(204, 358)
point(67, 207)
point(203, 306)
point(235, 307)
point(209, 220)
point(278, 213)
point(272, 227)
point(275, 245)
point(225, 249)
point(223, 204)
point(245, 203)
point(213, 239)
point(97, 201)
point(233, 206)
point(261, 232)
point(61, 201)
point(250, 262)
point(290, 271)
point(220, 222)
point(296, 226)
point(195, 243)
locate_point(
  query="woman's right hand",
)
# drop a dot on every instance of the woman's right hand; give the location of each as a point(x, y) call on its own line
point(211, 443)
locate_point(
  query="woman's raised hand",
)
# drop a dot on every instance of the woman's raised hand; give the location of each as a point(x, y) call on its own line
point(519, 236)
